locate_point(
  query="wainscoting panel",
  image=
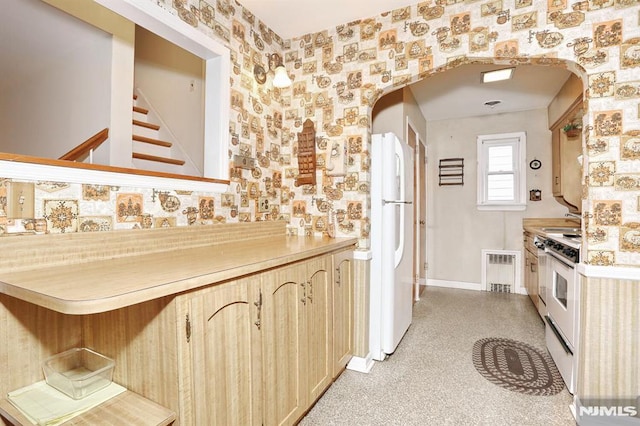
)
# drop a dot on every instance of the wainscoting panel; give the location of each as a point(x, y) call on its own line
point(609, 366)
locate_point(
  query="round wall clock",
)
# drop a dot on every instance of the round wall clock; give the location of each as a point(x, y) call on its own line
point(535, 164)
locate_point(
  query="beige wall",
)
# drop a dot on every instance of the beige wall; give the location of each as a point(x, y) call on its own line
point(165, 74)
point(388, 114)
point(457, 230)
point(122, 35)
point(340, 73)
point(394, 110)
point(62, 99)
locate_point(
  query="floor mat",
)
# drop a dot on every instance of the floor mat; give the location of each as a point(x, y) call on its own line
point(517, 366)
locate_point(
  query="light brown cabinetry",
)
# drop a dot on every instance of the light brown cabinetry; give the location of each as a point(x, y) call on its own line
point(531, 269)
point(253, 351)
point(566, 169)
point(223, 333)
point(342, 310)
point(318, 328)
point(261, 347)
point(190, 328)
point(297, 338)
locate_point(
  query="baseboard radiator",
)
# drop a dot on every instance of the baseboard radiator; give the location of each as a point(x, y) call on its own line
point(500, 270)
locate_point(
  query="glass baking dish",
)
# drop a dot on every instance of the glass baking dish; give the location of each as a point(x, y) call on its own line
point(78, 372)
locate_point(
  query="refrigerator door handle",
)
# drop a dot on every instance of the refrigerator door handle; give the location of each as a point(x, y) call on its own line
point(396, 202)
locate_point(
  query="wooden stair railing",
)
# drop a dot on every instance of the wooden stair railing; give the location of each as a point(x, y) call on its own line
point(85, 147)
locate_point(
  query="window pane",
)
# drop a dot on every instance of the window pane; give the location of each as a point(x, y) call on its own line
point(500, 187)
point(500, 158)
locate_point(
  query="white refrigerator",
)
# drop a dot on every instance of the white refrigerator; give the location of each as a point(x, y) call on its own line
point(391, 281)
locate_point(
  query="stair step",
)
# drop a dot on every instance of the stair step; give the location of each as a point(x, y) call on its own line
point(140, 110)
point(147, 157)
point(151, 141)
point(147, 125)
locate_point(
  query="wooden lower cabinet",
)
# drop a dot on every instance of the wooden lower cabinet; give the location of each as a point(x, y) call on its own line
point(531, 276)
point(258, 350)
point(297, 339)
point(318, 329)
point(226, 353)
point(343, 305)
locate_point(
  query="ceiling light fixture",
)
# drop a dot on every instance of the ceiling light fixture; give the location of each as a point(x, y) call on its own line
point(497, 75)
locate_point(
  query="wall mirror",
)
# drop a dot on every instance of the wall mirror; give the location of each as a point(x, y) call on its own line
point(44, 117)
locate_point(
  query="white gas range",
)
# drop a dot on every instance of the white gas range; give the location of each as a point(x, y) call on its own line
point(563, 303)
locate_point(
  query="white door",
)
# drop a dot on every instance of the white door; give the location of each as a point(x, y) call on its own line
point(397, 241)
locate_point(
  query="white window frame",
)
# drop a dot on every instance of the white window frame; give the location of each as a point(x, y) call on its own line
point(519, 141)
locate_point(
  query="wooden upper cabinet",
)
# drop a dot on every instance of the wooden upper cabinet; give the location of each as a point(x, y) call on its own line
point(555, 162)
point(566, 167)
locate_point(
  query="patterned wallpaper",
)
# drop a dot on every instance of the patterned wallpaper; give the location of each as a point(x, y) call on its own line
point(338, 75)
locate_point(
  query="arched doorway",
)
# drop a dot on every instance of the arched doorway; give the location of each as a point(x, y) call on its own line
point(455, 112)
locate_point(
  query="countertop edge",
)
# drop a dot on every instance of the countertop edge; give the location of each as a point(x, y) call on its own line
point(189, 282)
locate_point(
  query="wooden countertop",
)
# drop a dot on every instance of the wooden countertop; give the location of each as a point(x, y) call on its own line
point(103, 285)
point(535, 225)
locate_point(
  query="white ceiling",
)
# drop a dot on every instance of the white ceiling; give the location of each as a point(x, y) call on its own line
point(453, 94)
point(458, 93)
point(294, 18)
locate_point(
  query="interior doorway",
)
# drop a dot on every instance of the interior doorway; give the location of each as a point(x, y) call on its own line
point(415, 141)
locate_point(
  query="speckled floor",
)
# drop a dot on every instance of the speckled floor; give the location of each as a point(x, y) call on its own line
point(431, 380)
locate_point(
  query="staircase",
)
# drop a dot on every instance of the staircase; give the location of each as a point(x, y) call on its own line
point(149, 151)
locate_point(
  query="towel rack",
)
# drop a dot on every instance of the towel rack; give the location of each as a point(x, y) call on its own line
point(451, 171)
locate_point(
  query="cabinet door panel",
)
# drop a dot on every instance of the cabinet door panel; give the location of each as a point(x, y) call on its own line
point(556, 167)
point(319, 349)
point(342, 310)
point(226, 355)
point(283, 321)
point(531, 276)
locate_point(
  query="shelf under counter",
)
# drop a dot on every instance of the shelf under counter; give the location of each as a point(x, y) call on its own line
point(103, 285)
point(128, 408)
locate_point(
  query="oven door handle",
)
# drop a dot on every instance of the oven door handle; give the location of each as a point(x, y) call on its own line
point(559, 259)
point(566, 347)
